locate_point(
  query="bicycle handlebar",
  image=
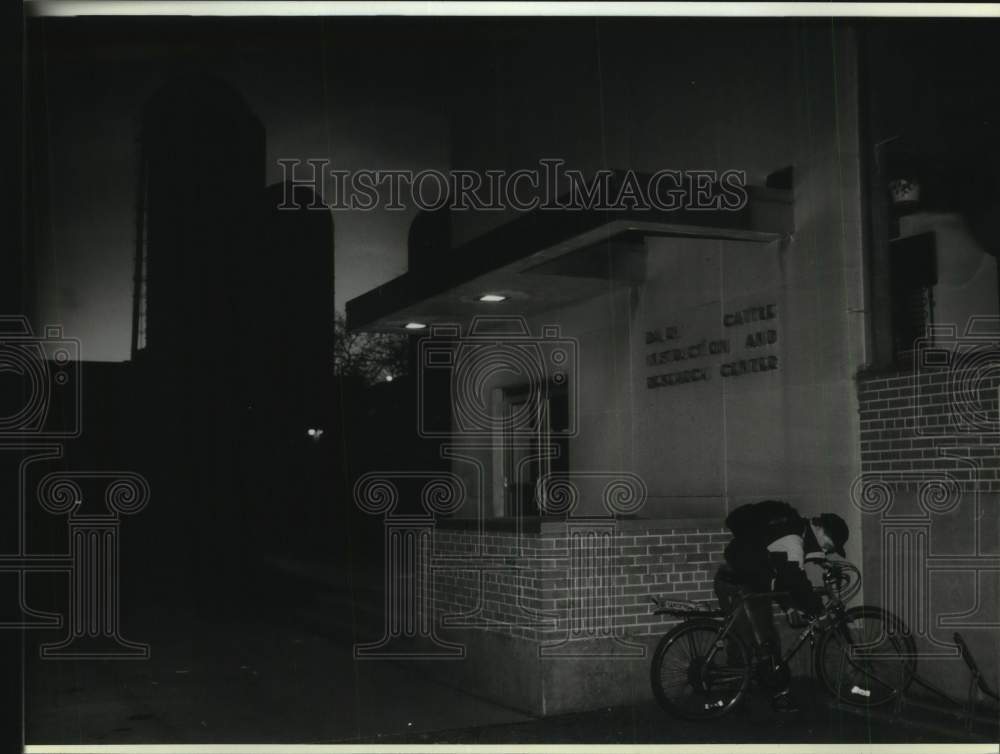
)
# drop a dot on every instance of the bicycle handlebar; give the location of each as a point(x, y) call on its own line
point(839, 572)
point(841, 579)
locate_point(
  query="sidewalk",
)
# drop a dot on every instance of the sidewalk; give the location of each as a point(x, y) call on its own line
point(284, 672)
point(819, 722)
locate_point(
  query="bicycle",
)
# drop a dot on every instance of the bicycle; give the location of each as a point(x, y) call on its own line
point(702, 668)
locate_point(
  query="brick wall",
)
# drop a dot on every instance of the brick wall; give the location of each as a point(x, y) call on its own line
point(930, 454)
point(579, 581)
point(932, 421)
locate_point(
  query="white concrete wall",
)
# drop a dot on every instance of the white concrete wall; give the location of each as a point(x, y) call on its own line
point(791, 432)
point(967, 274)
point(785, 432)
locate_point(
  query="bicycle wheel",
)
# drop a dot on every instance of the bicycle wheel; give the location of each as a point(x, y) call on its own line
point(692, 681)
point(867, 660)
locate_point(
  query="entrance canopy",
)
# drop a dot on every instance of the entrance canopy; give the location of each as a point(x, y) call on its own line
point(551, 258)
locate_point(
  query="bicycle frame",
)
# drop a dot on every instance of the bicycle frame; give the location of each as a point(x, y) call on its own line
point(808, 633)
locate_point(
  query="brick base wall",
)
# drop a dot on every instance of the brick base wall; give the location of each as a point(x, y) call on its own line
point(928, 495)
point(578, 580)
point(559, 620)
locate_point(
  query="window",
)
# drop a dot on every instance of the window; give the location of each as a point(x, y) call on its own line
point(929, 154)
point(140, 291)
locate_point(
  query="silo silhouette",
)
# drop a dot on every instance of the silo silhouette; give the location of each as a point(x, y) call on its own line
point(202, 167)
point(202, 164)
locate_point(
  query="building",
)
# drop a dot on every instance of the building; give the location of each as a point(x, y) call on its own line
point(201, 176)
point(645, 372)
point(232, 336)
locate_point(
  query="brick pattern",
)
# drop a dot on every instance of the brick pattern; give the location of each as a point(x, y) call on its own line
point(932, 421)
point(583, 582)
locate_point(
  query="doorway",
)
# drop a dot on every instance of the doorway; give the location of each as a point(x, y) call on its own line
point(534, 442)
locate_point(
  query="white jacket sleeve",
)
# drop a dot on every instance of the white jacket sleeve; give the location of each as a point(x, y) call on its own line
point(792, 546)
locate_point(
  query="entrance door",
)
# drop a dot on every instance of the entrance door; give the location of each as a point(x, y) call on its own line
point(534, 443)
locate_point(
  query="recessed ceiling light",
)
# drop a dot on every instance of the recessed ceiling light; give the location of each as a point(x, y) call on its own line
point(415, 325)
point(492, 298)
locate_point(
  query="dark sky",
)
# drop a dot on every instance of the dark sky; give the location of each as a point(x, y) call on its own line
point(357, 92)
point(389, 93)
point(417, 93)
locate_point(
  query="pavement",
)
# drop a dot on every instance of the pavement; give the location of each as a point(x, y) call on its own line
point(279, 671)
point(284, 672)
point(817, 723)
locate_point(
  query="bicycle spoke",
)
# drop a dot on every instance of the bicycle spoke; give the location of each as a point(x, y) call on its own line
point(870, 675)
point(859, 667)
point(692, 646)
point(694, 678)
point(864, 661)
point(680, 674)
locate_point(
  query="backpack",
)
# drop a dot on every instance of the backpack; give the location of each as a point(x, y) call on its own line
point(764, 521)
point(754, 527)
